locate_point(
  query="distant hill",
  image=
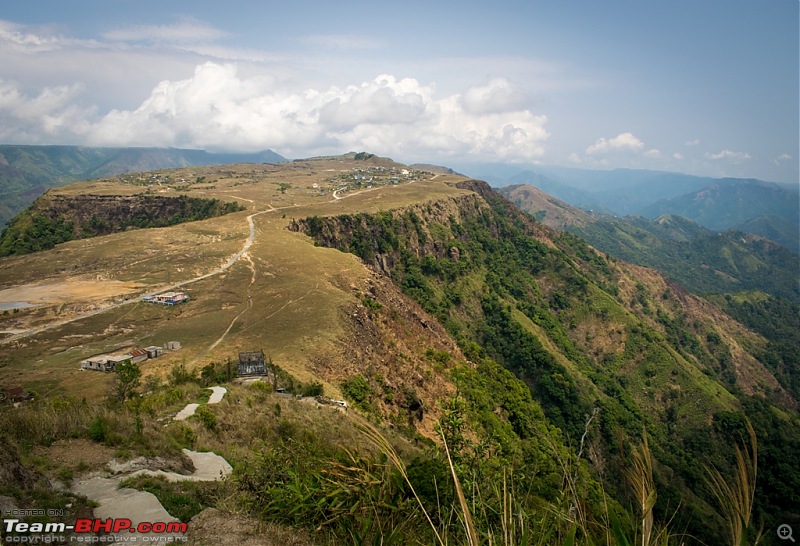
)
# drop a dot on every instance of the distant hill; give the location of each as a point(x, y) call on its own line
point(759, 207)
point(28, 171)
point(701, 260)
point(437, 169)
point(550, 211)
point(767, 209)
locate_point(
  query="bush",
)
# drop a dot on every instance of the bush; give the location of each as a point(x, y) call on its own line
point(207, 417)
point(312, 389)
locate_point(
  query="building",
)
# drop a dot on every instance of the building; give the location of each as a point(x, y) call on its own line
point(16, 394)
point(138, 355)
point(97, 363)
point(252, 363)
point(116, 360)
point(172, 345)
point(154, 351)
point(167, 298)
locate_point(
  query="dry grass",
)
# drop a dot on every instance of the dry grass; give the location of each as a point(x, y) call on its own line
point(297, 291)
point(736, 494)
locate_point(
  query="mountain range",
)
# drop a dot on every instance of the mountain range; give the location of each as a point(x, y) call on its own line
point(768, 209)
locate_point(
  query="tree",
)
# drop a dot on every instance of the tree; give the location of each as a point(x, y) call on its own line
point(128, 377)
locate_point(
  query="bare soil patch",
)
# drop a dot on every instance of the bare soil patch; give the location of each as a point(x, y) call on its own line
point(69, 290)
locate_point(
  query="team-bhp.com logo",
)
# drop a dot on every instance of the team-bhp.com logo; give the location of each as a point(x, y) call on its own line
point(116, 529)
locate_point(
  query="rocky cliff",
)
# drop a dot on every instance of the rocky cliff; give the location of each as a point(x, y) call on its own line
point(56, 218)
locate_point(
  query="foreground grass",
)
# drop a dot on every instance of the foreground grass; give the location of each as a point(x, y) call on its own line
point(343, 480)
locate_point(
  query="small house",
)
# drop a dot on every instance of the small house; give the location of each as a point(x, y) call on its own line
point(173, 345)
point(138, 355)
point(116, 360)
point(154, 351)
point(97, 363)
point(252, 363)
point(167, 298)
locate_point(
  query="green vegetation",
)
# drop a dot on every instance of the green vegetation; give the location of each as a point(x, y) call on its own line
point(509, 298)
point(128, 378)
point(702, 261)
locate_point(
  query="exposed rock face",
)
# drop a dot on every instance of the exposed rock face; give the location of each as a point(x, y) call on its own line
point(103, 214)
point(54, 219)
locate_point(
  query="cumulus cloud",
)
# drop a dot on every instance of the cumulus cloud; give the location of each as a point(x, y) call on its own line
point(677, 155)
point(653, 153)
point(495, 97)
point(728, 154)
point(50, 114)
point(218, 109)
point(621, 142)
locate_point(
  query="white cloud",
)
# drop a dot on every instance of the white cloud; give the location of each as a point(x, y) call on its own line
point(694, 142)
point(495, 97)
point(218, 109)
point(653, 153)
point(50, 114)
point(677, 155)
point(575, 158)
point(621, 142)
point(728, 154)
point(783, 157)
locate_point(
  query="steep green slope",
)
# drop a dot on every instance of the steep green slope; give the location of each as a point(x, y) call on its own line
point(584, 333)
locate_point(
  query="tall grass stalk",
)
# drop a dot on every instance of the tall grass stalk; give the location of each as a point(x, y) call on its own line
point(641, 479)
point(469, 524)
point(736, 496)
point(380, 442)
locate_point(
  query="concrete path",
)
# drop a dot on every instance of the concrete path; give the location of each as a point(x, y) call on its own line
point(217, 393)
point(186, 412)
point(140, 506)
point(208, 468)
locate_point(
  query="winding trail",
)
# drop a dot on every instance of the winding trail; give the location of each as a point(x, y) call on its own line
point(141, 506)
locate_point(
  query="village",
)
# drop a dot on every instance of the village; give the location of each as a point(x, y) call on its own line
point(369, 177)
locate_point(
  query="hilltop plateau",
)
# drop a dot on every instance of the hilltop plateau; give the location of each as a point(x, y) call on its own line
point(428, 302)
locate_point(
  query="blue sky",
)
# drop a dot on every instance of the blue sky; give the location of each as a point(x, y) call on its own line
point(707, 88)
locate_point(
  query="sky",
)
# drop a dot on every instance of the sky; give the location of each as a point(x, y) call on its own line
point(707, 88)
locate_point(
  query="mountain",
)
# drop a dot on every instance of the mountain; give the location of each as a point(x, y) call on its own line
point(27, 171)
point(482, 355)
point(547, 209)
